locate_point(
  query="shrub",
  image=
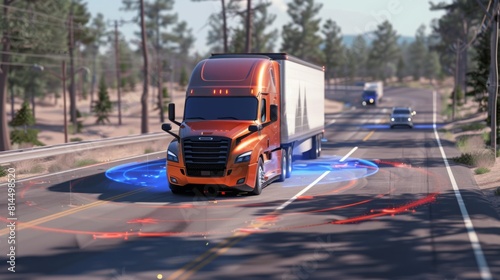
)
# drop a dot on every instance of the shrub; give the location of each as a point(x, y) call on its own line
point(85, 162)
point(478, 158)
point(465, 158)
point(37, 169)
point(481, 170)
point(148, 150)
point(473, 126)
point(55, 168)
point(3, 171)
point(75, 139)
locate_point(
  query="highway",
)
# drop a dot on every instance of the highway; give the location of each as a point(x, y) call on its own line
point(380, 203)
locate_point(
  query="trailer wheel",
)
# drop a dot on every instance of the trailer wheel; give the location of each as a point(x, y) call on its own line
point(284, 166)
point(259, 180)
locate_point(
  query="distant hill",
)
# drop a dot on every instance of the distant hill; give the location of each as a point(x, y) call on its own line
point(348, 39)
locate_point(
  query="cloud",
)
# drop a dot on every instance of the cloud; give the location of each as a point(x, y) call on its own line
point(280, 5)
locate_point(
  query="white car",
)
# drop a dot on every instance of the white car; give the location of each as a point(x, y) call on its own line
point(402, 116)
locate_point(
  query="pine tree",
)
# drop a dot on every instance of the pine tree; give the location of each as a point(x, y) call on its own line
point(103, 105)
point(477, 78)
point(418, 54)
point(384, 52)
point(166, 99)
point(400, 68)
point(24, 118)
point(359, 51)
point(300, 37)
point(183, 80)
point(432, 66)
point(333, 49)
point(262, 40)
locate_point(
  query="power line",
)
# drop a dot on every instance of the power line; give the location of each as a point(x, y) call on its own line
point(10, 7)
point(482, 26)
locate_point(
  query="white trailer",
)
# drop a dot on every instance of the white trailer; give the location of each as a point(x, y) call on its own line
point(303, 101)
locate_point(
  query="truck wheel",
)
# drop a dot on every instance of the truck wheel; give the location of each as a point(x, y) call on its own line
point(284, 166)
point(259, 180)
point(176, 189)
point(315, 151)
point(289, 155)
point(318, 138)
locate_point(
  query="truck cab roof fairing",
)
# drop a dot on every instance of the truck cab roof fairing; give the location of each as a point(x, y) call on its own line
point(250, 73)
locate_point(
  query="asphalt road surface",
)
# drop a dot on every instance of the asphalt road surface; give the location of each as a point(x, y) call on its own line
point(380, 203)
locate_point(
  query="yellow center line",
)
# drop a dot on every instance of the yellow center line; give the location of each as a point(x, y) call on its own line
point(369, 135)
point(70, 211)
point(186, 268)
point(210, 258)
point(192, 267)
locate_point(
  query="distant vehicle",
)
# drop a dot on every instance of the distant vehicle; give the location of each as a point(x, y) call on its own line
point(372, 93)
point(402, 116)
point(245, 115)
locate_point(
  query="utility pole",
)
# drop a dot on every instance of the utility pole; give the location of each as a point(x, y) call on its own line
point(457, 83)
point(72, 94)
point(224, 25)
point(63, 78)
point(248, 45)
point(118, 78)
point(159, 66)
point(493, 89)
point(144, 97)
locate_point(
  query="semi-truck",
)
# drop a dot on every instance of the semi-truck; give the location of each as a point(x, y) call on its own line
point(372, 93)
point(246, 117)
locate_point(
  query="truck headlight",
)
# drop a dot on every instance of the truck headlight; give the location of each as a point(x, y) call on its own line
point(245, 157)
point(409, 119)
point(392, 119)
point(371, 100)
point(172, 157)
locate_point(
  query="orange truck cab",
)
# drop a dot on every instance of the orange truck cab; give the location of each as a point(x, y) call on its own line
point(245, 116)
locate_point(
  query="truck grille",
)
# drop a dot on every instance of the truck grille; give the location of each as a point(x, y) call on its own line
point(206, 158)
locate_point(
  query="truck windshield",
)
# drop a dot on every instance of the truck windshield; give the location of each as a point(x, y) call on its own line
point(369, 94)
point(221, 108)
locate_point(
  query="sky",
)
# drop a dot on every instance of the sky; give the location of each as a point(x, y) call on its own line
point(353, 16)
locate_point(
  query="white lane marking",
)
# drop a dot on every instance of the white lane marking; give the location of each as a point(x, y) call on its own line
point(331, 122)
point(153, 203)
point(348, 154)
point(302, 191)
point(282, 206)
point(484, 270)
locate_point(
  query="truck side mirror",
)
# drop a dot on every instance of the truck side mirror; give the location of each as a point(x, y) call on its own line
point(274, 112)
point(171, 114)
point(166, 127)
point(254, 127)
